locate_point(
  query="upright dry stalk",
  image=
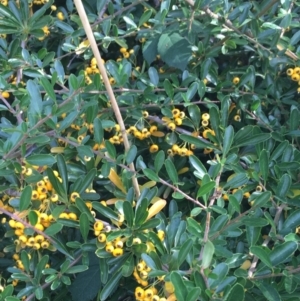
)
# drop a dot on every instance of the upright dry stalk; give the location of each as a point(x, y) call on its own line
point(114, 104)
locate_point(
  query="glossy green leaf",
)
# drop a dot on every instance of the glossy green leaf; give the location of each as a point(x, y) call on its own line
point(131, 154)
point(228, 139)
point(263, 254)
point(62, 168)
point(253, 140)
point(36, 102)
point(184, 251)
point(262, 199)
point(141, 213)
point(150, 174)
point(87, 180)
point(282, 252)
point(41, 160)
point(53, 229)
point(171, 170)
point(237, 292)
point(180, 288)
point(153, 75)
point(58, 187)
point(111, 285)
point(269, 291)
point(208, 253)
point(128, 213)
point(25, 198)
point(98, 131)
point(174, 50)
point(197, 164)
point(159, 160)
point(283, 186)
point(76, 269)
point(105, 211)
point(84, 226)
point(39, 268)
point(236, 181)
point(264, 164)
point(221, 270)
point(206, 188)
point(48, 88)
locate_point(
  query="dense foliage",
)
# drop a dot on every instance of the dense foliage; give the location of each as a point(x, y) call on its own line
point(197, 197)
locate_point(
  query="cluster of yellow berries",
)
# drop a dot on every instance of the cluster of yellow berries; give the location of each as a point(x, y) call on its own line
point(46, 33)
point(114, 247)
point(90, 70)
point(149, 294)
point(32, 241)
point(140, 273)
point(40, 2)
point(176, 120)
point(182, 151)
point(4, 203)
point(294, 74)
point(126, 54)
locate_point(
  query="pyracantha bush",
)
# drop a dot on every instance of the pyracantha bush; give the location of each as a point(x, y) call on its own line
point(149, 150)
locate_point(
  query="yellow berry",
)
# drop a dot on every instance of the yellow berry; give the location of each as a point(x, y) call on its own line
point(295, 77)
point(237, 118)
point(171, 126)
point(98, 226)
point(123, 50)
point(5, 94)
point(289, 71)
point(102, 237)
point(175, 113)
point(117, 252)
point(246, 265)
point(205, 116)
point(60, 16)
point(236, 80)
point(178, 121)
point(73, 196)
point(53, 7)
point(153, 148)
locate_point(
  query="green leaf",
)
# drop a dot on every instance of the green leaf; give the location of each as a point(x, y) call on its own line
point(236, 181)
point(168, 88)
point(195, 114)
point(180, 288)
point(221, 270)
point(262, 199)
point(128, 213)
point(36, 102)
point(263, 254)
point(41, 160)
point(174, 50)
point(237, 292)
point(264, 164)
point(141, 213)
point(149, 261)
point(62, 169)
point(171, 170)
point(76, 269)
point(153, 75)
point(206, 188)
point(53, 229)
point(270, 293)
point(254, 140)
point(228, 139)
point(84, 225)
point(111, 285)
point(150, 49)
point(184, 251)
point(292, 221)
point(150, 174)
point(131, 154)
point(98, 130)
point(193, 294)
point(48, 88)
point(190, 93)
point(208, 253)
point(152, 223)
point(39, 268)
point(197, 164)
point(283, 186)
point(105, 211)
point(25, 198)
point(295, 38)
point(87, 181)
point(281, 252)
point(58, 187)
point(159, 160)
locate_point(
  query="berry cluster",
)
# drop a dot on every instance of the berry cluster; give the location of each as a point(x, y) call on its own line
point(294, 75)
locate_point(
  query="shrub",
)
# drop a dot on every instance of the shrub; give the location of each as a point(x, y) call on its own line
point(166, 168)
